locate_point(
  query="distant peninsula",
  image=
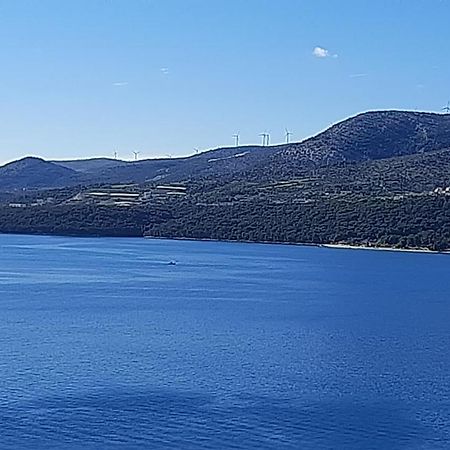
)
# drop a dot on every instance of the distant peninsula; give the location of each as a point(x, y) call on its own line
point(379, 179)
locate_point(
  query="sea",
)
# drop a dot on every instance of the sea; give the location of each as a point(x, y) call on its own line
point(116, 343)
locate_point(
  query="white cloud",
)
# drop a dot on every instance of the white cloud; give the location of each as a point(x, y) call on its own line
point(358, 75)
point(164, 70)
point(320, 52)
point(120, 83)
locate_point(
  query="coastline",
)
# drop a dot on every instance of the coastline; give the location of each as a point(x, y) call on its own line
point(386, 249)
point(234, 241)
point(308, 244)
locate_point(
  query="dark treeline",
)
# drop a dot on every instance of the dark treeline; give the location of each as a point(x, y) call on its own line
point(422, 222)
point(416, 222)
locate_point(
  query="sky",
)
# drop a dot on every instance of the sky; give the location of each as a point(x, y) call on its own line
point(85, 78)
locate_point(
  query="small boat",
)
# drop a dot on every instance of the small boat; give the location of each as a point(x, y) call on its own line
point(172, 263)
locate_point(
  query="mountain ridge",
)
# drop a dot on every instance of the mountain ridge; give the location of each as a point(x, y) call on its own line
point(366, 136)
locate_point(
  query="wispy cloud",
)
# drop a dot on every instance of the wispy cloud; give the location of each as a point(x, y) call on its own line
point(358, 75)
point(320, 52)
point(120, 83)
point(164, 70)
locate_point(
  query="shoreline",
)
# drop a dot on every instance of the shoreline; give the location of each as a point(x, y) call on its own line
point(233, 241)
point(307, 244)
point(386, 249)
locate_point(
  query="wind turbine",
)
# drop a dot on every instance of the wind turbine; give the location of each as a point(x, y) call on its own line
point(196, 150)
point(446, 108)
point(288, 136)
point(236, 139)
point(115, 155)
point(136, 155)
point(264, 137)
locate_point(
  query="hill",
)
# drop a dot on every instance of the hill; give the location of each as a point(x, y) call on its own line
point(31, 172)
point(90, 164)
point(365, 137)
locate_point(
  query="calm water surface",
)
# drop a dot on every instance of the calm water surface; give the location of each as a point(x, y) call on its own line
point(103, 344)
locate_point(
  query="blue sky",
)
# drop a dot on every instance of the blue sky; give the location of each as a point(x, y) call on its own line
point(84, 78)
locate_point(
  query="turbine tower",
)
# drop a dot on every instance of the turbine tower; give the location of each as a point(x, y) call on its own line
point(136, 155)
point(264, 138)
point(236, 139)
point(115, 154)
point(288, 136)
point(446, 109)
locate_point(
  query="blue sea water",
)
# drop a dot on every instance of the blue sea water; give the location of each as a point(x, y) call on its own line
point(103, 344)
